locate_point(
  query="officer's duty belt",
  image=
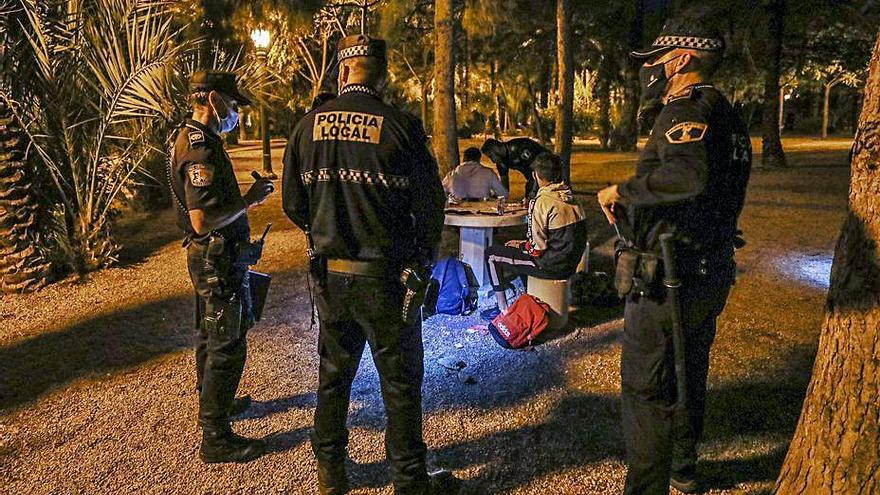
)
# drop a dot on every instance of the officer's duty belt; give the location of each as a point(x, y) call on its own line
point(377, 269)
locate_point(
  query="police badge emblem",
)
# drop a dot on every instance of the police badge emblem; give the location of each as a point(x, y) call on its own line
point(200, 175)
point(686, 132)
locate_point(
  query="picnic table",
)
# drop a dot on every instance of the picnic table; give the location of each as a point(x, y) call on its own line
point(478, 220)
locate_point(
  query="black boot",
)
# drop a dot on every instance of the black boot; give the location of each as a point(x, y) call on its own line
point(240, 405)
point(332, 480)
point(442, 482)
point(223, 445)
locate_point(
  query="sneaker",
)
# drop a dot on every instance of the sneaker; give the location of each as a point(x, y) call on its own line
point(685, 484)
point(490, 314)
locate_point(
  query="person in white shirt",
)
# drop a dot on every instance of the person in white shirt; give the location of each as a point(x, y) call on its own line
point(473, 180)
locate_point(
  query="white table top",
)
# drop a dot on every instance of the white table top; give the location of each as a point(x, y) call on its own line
point(466, 215)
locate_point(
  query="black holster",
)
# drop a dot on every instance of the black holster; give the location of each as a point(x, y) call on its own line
point(421, 292)
point(637, 272)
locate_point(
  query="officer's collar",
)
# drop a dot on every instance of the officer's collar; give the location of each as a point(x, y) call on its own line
point(196, 125)
point(688, 92)
point(360, 88)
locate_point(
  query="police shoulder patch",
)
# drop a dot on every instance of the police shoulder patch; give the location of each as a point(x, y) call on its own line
point(687, 132)
point(200, 175)
point(195, 137)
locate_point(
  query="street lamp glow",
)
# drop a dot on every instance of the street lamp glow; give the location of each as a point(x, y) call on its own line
point(261, 38)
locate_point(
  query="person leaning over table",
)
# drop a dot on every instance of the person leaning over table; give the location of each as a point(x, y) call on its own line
point(213, 214)
point(515, 154)
point(359, 179)
point(690, 182)
point(473, 180)
point(557, 235)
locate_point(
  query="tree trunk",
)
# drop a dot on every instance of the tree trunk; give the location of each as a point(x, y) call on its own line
point(826, 110)
point(781, 122)
point(565, 102)
point(773, 155)
point(603, 94)
point(423, 104)
point(445, 137)
point(493, 88)
point(836, 447)
point(22, 266)
point(536, 116)
point(629, 124)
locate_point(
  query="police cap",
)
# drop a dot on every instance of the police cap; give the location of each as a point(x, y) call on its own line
point(360, 45)
point(692, 29)
point(222, 82)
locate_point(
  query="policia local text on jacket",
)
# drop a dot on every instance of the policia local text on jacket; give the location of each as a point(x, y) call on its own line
point(358, 176)
point(203, 182)
point(690, 182)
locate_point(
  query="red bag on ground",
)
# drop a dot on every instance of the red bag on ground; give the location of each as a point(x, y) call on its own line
point(525, 319)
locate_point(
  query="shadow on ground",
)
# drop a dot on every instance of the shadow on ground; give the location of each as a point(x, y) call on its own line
point(585, 428)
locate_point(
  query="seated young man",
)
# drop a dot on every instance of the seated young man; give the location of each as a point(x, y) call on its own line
point(557, 234)
point(472, 180)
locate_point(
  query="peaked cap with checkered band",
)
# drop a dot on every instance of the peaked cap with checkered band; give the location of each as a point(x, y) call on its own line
point(360, 45)
point(692, 29)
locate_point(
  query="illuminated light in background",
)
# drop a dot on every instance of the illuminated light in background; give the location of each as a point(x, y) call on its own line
point(813, 270)
point(261, 38)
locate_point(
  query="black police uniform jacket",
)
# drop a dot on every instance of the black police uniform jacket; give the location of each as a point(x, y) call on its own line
point(692, 175)
point(358, 175)
point(201, 177)
point(521, 152)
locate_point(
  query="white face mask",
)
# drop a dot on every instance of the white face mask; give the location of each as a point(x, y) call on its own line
point(231, 120)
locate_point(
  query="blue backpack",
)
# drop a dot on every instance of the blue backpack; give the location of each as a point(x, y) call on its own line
point(458, 287)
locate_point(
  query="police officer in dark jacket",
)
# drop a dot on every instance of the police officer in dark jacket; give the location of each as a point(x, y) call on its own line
point(690, 182)
point(515, 154)
point(359, 179)
point(213, 215)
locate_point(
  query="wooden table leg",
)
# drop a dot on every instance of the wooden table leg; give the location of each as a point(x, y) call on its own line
point(472, 245)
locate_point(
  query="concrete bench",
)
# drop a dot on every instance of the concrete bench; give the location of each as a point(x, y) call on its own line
point(557, 293)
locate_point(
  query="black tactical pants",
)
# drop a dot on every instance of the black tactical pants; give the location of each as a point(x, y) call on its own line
point(353, 311)
point(222, 318)
point(660, 440)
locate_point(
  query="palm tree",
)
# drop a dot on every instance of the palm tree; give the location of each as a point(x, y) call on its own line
point(22, 265)
point(93, 82)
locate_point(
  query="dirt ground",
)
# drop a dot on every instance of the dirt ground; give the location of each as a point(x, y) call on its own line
point(97, 377)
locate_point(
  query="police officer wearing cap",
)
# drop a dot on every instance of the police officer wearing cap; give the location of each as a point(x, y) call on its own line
point(360, 181)
point(213, 214)
point(690, 182)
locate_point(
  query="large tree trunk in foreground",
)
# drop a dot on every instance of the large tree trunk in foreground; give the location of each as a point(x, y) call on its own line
point(445, 136)
point(565, 102)
point(836, 448)
point(22, 267)
point(773, 155)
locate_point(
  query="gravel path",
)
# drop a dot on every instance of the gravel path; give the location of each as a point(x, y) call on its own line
point(96, 376)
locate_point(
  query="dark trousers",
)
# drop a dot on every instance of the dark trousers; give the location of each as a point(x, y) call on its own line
point(222, 318)
point(659, 439)
point(355, 310)
point(506, 263)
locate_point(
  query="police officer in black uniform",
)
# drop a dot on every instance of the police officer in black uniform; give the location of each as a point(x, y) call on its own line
point(515, 154)
point(213, 215)
point(359, 179)
point(690, 181)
